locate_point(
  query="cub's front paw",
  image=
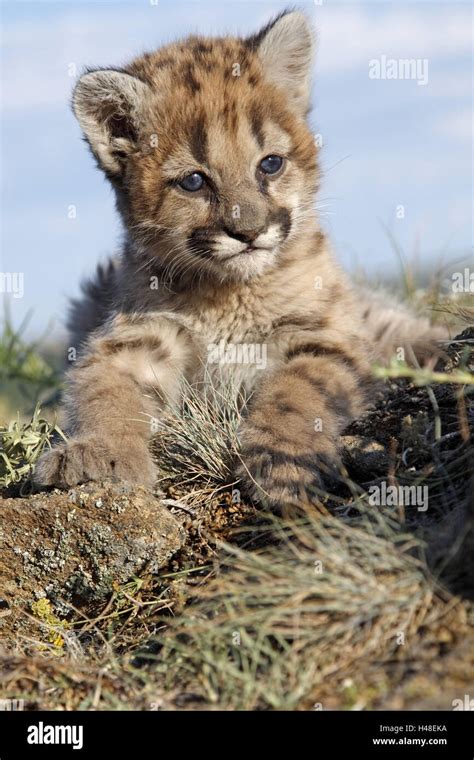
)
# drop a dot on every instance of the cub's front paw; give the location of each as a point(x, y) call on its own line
point(274, 476)
point(291, 485)
point(83, 459)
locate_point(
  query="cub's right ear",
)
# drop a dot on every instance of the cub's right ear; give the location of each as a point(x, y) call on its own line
point(109, 105)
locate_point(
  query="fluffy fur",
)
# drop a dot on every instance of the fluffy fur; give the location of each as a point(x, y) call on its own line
point(242, 261)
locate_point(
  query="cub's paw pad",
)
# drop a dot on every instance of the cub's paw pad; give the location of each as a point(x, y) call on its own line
point(81, 460)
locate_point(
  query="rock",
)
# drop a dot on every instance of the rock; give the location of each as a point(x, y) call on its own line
point(73, 547)
point(364, 457)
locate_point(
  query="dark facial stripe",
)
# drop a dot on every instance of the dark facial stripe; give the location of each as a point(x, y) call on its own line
point(282, 217)
point(198, 140)
point(230, 116)
point(256, 124)
point(262, 180)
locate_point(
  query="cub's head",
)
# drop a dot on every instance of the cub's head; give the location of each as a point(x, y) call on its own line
point(207, 146)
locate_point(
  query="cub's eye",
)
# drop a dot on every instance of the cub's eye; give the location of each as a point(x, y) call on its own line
point(271, 164)
point(192, 182)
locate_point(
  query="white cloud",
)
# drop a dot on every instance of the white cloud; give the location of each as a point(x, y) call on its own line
point(457, 125)
point(37, 53)
point(350, 37)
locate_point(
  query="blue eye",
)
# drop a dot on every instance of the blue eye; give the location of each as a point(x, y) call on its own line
point(192, 182)
point(271, 164)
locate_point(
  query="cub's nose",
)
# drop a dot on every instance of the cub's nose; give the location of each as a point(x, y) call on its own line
point(245, 236)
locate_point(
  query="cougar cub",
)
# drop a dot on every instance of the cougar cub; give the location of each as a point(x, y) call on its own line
point(215, 169)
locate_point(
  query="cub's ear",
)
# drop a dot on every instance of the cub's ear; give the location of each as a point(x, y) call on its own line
point(285, 47)
point(108, 105)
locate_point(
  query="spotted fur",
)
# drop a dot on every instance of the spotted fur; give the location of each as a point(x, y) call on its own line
point(242, 260)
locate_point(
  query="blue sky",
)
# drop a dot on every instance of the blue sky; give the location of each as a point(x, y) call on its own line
point(386, 143)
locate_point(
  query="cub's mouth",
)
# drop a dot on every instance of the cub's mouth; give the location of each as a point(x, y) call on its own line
point(232, 250)
point(247, 251)
point(245, 264)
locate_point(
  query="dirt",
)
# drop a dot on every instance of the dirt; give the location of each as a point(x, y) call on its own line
point(73, 547)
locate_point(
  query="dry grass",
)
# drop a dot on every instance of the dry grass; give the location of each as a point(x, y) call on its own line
point(333, 607)
point(281, 626)
point(290, 611)
point(196, 443)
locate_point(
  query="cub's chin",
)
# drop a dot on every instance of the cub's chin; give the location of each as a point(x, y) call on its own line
point(244, 266)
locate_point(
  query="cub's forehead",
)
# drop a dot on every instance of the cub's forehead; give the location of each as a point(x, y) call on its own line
point(198, 62)
point(213, 103)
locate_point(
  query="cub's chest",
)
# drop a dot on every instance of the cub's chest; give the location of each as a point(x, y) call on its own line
point(237, 342)
point(237, 322)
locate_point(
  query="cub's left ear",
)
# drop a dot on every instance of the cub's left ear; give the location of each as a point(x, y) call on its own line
point(285, 47)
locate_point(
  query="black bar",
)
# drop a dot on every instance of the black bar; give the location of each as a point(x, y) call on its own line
point(317, 733)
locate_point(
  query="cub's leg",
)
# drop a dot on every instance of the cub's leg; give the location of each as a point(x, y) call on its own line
point(289, 440)
point(131, 369)
point(392, 327)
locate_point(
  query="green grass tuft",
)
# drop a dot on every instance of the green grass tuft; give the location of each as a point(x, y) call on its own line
point(20, 446)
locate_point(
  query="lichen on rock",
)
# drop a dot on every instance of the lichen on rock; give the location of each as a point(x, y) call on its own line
point(72, 547)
